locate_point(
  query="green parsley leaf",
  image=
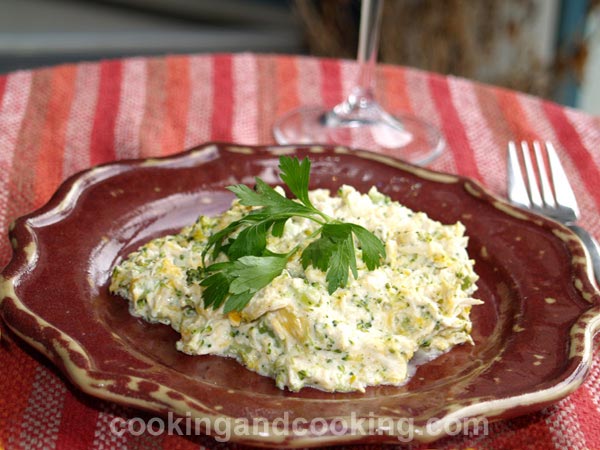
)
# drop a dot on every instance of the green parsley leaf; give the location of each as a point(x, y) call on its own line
point(334, 252)
point(251, 266)
point(296, 175)
point(318, 254)
point(235, 282)
point(373, 250)
point(278, 227)
point(343, 256)
point(216, 289)
point(237, 302)
point(255, 272)
point(216, 240)
point(251, 241)
point(265, 195)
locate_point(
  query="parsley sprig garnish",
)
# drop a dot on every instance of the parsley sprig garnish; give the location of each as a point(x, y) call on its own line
point(251, 266)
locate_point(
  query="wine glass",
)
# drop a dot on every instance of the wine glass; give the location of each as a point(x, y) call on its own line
point(359, 121)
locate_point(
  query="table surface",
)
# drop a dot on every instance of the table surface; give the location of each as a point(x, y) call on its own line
point(57, 121)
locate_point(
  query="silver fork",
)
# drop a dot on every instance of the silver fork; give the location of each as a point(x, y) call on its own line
point(545, 189)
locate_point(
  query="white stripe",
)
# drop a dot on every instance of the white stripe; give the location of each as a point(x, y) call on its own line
point(245, 99)
point(41, 418)
point(421, 101)
point(490, 156)
point(592, 383)
point(131, 108)
point(309, 82)
point(533, 109)
point(81, 119)
point(564, 426)
point(12, 111)
point(198, 129)
point(104, 438)
point(349, 72)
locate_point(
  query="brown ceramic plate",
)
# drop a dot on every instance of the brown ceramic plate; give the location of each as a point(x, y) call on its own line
point(533, 335)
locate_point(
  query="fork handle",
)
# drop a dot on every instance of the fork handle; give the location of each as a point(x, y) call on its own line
point(592, 246)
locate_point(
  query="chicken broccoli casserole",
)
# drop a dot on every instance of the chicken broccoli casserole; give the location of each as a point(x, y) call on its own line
point(295, 328)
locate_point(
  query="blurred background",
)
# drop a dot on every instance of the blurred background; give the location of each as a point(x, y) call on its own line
point(548, 48)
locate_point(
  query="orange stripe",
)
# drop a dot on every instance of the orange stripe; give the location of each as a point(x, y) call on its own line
point(286, 85)
point(176, 104)
point(391, 90)
point(266, 86)
point(514, 115)
point(48, 169)
point(496, 121)
point(152, 123)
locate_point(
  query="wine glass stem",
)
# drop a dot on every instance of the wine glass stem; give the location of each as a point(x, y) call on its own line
point(368, 43)
point(360, 106)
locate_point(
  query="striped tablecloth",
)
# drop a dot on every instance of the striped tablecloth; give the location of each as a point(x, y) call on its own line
point(56, 121)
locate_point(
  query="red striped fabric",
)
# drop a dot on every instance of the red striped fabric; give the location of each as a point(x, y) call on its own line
point(392, 90)
point(452, 128)
point(200, 108)
point(76, 416)
point(222, 99)
point(102, 144)
point(568, 137)
point(177, 103)
point(331, 84)
point(48, 167)
point(286, 81)
point(132, 103)
point(153, 119)
point(268, 109)
point(58, 120)
point(26, 152)
point(3, 80)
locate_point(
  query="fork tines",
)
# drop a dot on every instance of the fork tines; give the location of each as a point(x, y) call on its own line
point(545, 186)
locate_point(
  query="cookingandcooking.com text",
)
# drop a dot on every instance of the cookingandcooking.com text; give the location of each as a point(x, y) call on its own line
point(224, 428)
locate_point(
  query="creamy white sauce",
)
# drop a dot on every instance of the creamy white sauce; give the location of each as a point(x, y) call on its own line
point(415, 306)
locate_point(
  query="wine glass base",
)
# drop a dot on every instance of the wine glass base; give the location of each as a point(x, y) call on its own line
point(403, 137)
